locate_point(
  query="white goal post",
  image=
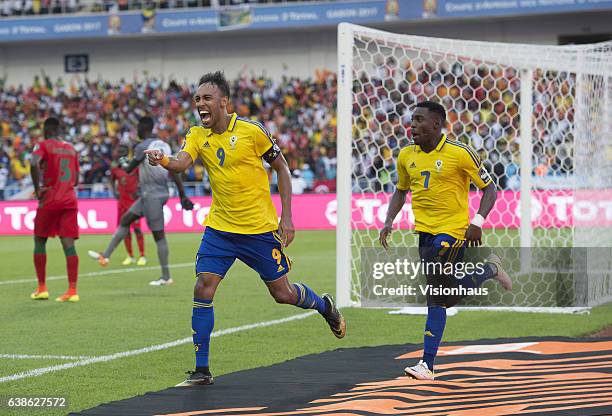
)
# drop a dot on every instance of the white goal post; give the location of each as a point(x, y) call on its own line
point(540, 118)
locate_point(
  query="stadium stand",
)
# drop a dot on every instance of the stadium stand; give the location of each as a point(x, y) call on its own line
point(99, 115)
point(481, 112)
point(44, 7)
point(300, 113)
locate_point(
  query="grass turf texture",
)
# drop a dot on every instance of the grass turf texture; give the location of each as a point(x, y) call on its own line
point(120, 312)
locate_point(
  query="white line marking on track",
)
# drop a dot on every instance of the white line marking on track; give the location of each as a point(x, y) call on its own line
point(44, 357)
point(100, 273)
point(104, 358)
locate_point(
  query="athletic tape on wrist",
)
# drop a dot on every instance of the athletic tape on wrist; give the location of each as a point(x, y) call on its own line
point(478, 220)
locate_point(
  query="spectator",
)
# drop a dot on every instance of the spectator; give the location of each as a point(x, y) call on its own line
point(4, 173)
point(28, 7)
point(298, 184)
point(512, 173)
point(45, 6)
point(6, 9)
point(20, 167)
point(308, 176)
point(72, 6)
point(17, 7)
point(543, 167)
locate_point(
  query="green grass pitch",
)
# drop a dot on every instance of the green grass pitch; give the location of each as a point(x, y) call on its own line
point(120, 312)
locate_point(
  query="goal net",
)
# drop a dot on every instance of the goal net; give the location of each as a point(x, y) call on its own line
point(539, 117)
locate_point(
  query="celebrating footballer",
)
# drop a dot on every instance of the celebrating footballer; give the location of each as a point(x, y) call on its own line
point(243, 223)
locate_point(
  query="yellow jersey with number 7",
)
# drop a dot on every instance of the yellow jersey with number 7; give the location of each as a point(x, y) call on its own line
point(439, 182)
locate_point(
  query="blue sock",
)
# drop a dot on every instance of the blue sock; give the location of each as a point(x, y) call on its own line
point(308, 299)
point(202, 323)
point(434, 328)
point(474, 280)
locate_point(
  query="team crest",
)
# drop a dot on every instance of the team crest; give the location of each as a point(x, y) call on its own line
point(438, 165)
point(233, 141)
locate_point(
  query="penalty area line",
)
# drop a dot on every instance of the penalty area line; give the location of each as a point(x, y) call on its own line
point(111, 357)
point(100, 273)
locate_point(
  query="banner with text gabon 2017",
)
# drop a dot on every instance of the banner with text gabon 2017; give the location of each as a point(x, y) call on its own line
point(550, 209)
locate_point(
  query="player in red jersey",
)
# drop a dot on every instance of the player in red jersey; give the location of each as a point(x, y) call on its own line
point(57, 206)
point(125, 189)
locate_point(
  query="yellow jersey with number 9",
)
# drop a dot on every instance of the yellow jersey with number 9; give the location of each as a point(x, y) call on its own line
point(440, 183)
point(240, 188)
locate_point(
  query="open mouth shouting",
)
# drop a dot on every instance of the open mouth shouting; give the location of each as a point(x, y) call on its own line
point(205, 116)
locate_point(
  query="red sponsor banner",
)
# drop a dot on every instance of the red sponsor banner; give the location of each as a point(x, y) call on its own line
point(549, 209)
point(318, 212)
point(99, 216)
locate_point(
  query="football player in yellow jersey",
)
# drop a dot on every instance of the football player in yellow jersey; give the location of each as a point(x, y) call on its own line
point(438, 172)
point(243, 223)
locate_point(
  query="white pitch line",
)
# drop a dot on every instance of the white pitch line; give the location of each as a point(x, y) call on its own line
point(100, 273)
point(105, 358)
point(44, 357)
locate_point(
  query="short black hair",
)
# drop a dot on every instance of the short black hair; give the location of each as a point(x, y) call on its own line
point(51, 123)
point(51, 127)
point(218, 79)
point(434, 107)
point(146, 123)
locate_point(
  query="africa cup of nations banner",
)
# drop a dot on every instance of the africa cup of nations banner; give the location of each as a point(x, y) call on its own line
point(550, 209)
point(274, 16)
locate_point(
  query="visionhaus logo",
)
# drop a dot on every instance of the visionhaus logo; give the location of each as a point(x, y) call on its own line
point(428, 290)
point(470, 276)
point(399, 278)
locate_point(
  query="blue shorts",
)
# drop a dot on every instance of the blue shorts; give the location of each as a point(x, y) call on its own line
point(440, 247)
point(261, 252)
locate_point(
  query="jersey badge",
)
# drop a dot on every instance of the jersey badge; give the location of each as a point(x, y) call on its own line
point(438, 165)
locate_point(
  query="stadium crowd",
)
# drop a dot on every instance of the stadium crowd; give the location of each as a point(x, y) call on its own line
point(99, 115)
point(482, 111)
point(38, 7)
point(300, 113)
